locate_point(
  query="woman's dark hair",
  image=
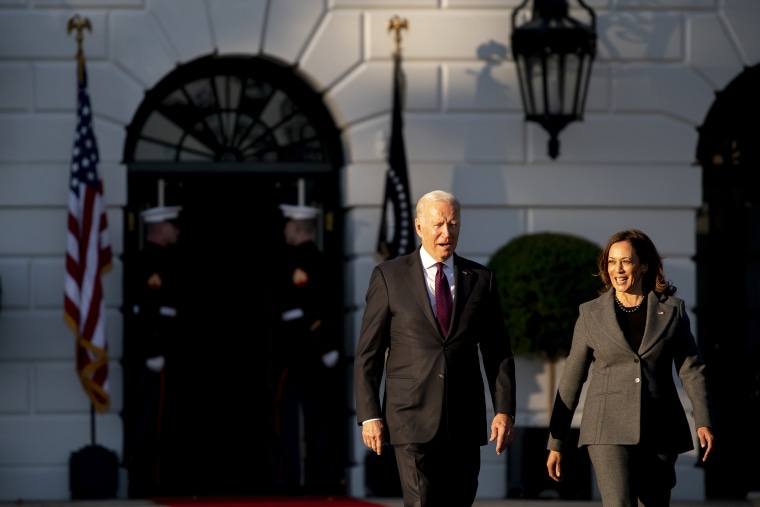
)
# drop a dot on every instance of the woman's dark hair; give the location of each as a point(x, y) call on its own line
point(654, 278)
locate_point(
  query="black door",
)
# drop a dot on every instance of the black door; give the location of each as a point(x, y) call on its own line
point(216, 421)
point(728, 269)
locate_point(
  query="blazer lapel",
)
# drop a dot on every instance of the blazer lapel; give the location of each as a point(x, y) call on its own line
point(608, 319)
point(464, 282)
point(418, 287)
point(658, 318)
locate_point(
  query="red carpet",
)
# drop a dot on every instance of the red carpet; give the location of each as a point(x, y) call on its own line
point(274, 501)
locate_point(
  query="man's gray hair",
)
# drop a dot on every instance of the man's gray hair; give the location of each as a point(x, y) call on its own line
point(437, 196)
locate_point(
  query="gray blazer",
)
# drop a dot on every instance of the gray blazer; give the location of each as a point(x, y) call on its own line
point(632, 396)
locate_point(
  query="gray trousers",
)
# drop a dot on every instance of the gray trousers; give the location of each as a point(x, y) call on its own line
point(631, 475)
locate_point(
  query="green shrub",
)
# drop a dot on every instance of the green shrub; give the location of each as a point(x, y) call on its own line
point(542, 279)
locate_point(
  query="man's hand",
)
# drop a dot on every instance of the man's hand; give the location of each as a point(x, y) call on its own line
point(554, 465)
point(503, 431)
point(373, 433)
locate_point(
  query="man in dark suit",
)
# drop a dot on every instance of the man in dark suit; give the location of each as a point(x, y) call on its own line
point(433, 410)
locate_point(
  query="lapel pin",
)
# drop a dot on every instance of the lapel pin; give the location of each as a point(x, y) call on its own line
point(660, 313)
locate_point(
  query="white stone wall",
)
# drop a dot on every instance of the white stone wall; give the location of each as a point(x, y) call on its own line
point(629, 164)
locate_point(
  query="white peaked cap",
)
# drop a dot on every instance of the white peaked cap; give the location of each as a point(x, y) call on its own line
point(299, 212)
point(160, 214)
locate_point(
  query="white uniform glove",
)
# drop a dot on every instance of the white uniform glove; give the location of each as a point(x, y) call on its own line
point(155, 363)
point(330, 359)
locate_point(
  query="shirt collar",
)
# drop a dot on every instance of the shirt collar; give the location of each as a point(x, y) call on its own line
point(429, 262)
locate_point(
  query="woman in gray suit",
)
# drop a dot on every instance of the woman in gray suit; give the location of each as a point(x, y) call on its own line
point(629, 338)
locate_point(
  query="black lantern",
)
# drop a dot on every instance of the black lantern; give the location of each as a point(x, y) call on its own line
point(554, 53)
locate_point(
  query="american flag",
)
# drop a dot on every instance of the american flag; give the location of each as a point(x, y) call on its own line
point(397, 233)
point(88, 255)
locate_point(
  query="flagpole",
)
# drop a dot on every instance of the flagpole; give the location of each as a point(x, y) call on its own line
point(93, 470)
point(80, 25)
point(92, 423)
point(396, 235)
point(396, 23)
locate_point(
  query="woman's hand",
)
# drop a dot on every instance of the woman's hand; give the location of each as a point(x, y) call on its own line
point(706, 440)
point(554, 465)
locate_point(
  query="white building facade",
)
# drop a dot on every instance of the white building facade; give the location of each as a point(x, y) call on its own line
point(630, 163)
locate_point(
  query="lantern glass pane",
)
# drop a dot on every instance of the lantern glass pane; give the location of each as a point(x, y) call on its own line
point(535, 85)
point(584, 76)
point(574, 82)
point(526, 69)
point(554, 84)
point(567, 76)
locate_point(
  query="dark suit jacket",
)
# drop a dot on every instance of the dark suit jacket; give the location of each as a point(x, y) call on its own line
point(429, 378)
point(632, 390)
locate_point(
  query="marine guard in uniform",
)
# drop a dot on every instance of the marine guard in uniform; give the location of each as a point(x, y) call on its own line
point(306, 351)
point(156, 314)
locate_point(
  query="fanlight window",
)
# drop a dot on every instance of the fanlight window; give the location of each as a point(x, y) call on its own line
point(230, 110)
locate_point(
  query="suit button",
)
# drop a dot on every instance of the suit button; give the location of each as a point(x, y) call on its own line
point(440, 376)
point(445, 349)
point(637, 380)
point(636, 360)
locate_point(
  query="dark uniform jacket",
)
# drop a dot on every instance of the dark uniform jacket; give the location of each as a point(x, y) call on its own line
point(304, 296)
point(157, 303)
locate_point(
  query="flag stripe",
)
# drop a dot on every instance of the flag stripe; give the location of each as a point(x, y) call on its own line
point(88, 256)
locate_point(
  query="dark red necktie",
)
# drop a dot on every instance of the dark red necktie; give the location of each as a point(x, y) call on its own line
point(443, 303)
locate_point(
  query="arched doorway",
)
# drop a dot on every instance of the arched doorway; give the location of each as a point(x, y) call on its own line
point(728, 272)
point(229, 137)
